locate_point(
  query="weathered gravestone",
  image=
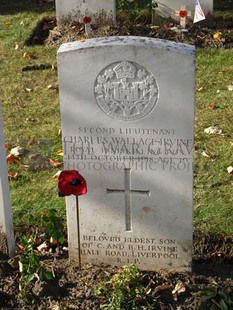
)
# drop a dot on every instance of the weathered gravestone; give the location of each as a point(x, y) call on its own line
point(168, 8)
point(7, 244)
point(127, 108)
point(71, 9)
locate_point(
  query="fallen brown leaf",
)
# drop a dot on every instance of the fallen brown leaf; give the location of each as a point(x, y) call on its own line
point(11, 159)
point(26, 55)
point(207, 154)
point(7, 23)
point(7, 146)
point(164, 287)
point(212, 106)
point(13, 176)
point(54, 163)
point(26, 167)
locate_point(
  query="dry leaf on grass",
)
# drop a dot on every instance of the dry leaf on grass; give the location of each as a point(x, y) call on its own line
point(52, 88)
point(7, 146)
point(26, 167)
point(13, 176)
point(29, 90)
point(213, 130)
point(56, 175)
point(207, 154)
point(17, 151)
point(7, 23)
point(60, 153)
point(54, 162)
point(26, 55)
point(17, 47)
point(11, 159)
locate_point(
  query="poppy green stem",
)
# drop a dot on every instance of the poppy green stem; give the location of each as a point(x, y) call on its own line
point(78, 228)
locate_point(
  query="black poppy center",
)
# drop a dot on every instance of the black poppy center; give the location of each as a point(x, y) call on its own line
point(75, 182)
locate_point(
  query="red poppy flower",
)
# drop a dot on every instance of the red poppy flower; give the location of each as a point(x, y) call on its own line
point(183, 14)
point(87, 19)
point(70, 182)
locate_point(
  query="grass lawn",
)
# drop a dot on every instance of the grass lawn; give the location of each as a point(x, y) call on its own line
point(31, 113)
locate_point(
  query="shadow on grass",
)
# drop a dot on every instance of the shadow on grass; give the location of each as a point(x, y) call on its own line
point(11, 7)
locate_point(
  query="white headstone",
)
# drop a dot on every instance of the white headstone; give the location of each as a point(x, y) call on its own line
point(127, 108)
point(72, 8)
point(7, 243)
point(168, 8)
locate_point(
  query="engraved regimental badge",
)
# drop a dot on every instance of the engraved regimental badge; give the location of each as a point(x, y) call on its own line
point(126, 91)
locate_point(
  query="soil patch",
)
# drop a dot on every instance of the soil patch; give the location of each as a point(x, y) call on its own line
point(75, 289)
point(72, 288)
point(212, 32)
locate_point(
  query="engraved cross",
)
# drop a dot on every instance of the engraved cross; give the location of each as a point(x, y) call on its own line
point(127, 192)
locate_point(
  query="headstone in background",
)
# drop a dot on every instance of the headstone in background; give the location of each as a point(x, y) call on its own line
point(127, 109)
point(71, 9)
point(168, 8)
point(7, 242)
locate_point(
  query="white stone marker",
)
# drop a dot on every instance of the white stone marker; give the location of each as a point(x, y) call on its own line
point(70, 8)
point(183, 14)
point(7, 243)
point(169, 7)
point(127, 109)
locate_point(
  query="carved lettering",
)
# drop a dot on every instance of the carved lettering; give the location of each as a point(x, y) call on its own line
point(129, 249)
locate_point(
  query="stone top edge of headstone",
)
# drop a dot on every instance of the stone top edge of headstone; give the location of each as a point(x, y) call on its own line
point(127, 40)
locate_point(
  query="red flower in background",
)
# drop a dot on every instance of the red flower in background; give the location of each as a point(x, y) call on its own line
point(183, 14)
point(70, 182)
point(87, 19)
